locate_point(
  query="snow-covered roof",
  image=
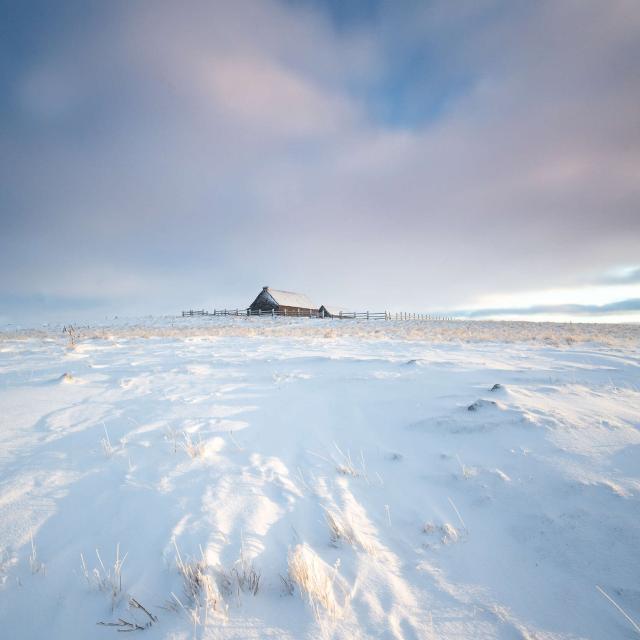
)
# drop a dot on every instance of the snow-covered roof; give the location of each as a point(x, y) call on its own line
point(291, 299)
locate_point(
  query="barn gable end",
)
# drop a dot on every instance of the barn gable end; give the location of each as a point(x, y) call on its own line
point(264, 301)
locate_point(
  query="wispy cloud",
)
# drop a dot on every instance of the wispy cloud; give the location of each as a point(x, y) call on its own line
point(630, 275)
point(567, 310)
point(159, 156)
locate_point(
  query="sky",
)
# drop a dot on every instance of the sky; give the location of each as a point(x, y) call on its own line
point(481, 157)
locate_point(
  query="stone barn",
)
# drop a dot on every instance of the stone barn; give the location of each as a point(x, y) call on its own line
point(285, 302)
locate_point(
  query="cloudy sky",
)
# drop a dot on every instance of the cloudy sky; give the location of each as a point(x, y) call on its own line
point(415, 156)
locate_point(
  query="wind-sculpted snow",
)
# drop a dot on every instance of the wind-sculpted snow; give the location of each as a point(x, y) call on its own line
point(258, 478)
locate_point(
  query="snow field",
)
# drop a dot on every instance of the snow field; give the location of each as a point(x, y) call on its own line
point(320, 479)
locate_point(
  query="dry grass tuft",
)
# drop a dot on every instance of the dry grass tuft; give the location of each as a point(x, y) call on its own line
point(194, 448)
point(133, 625)
point(345, 464)
point(199, 588)
point(106, 580)
point(444, 534)
point(105, 443)
point(318, 582)
point(246, 576)
point(288, 586)
point(72, 334)
point(340, 529)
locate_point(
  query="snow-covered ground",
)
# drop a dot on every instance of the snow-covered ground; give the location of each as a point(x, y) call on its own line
point(263, 478)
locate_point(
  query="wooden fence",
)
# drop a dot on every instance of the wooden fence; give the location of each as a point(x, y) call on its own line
point(314, 313)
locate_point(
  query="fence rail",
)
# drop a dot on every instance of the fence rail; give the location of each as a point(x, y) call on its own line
point(314, 313)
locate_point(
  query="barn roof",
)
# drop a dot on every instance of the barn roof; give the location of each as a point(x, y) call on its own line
point(290, 299)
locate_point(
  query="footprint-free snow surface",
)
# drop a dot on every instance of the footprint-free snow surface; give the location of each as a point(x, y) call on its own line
point(269, 478)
